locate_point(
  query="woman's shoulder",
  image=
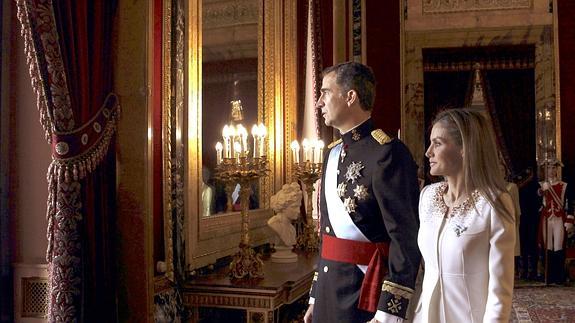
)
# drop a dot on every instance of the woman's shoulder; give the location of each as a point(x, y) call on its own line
point(430, 201)
point(430, 194)
point(431, 189)
point(484, 206)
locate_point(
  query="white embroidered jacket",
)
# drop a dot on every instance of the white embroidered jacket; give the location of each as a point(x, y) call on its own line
point(468, 257)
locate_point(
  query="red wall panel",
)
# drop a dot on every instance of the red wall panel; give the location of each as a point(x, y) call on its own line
point(566, 24)
point(383, 55)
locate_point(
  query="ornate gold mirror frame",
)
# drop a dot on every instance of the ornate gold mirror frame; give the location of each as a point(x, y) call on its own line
point(193, 241)
point(173, 106)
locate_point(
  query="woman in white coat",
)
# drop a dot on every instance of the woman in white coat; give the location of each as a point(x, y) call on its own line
point(467, 231)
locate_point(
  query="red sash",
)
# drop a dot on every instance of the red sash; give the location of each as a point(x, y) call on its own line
point(374, 255)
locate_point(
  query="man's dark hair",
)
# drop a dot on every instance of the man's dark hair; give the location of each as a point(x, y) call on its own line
point(358, 77)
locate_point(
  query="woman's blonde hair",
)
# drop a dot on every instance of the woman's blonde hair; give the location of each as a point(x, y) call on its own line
point(469, 128)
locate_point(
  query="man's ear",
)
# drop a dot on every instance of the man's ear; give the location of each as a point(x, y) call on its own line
point(351, 97)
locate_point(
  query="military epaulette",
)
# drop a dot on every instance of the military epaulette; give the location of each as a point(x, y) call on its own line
point(380, 136)
point(333, 144)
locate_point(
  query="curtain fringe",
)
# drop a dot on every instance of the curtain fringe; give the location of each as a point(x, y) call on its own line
point(77, 168)
point(35, 77)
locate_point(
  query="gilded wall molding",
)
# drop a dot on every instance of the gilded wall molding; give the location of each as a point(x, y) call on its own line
point(291, 99)
point(167, 137)
point(452, 6)
point(228, 13)
point(178, 121)
point(214, 237)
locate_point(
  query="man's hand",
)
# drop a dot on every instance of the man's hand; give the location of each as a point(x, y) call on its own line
point(569, 227)
point(308, 314)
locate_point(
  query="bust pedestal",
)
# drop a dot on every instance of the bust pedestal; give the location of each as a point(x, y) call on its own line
point(283, 254)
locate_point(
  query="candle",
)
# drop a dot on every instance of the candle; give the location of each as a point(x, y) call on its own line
point(237, 150)
point(243, 134)
point(218, 153)
point(255, 135)
point(399, 134)
point(305, 144)
point(227, 147)
point(312, 153)
point(232, 134)
point(295, 151)
point(318, 151)
point(320, 145)
point(312, 150)
point(263, 134)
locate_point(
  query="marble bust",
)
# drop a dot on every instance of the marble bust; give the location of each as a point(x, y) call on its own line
point(286, 204)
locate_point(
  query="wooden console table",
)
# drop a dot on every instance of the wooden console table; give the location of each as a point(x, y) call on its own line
point(261, 299)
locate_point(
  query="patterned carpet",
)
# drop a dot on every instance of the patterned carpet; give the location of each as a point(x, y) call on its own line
point(543, 304)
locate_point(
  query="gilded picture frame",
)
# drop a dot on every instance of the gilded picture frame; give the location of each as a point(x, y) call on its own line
point(192, 241)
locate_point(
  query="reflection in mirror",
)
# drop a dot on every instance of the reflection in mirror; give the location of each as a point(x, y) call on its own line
point(229, 90)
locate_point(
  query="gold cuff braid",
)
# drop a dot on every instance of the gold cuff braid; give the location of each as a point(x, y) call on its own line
point(397, 290)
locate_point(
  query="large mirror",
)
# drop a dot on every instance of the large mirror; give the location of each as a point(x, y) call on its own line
point(229, 91)
point(225, 62)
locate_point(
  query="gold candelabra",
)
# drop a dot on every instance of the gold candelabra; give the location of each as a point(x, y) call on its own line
point(243, 171)
point(308, 172)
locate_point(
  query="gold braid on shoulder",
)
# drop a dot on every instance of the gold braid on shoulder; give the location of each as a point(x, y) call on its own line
point(381, 136)
point(333, 144)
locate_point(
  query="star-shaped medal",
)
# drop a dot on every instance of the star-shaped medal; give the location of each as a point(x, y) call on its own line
point(349, 204)
point(353, 171)
point(341, 188)
point(360, 192)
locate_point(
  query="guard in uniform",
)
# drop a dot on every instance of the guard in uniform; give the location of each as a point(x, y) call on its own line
point(556, 217)
point(368, 222)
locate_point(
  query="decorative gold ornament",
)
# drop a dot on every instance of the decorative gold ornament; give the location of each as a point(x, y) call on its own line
point(243, 171)
point(334, 143)
point(380, 136)
point(308, 173)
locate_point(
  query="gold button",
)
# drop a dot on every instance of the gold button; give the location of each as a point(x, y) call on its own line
point(325, 269)
point(327, 229)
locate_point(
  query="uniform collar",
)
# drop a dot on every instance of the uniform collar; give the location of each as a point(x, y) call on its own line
point(359, 132)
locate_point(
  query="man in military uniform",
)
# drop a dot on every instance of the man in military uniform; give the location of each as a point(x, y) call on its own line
point(556, 217)
point(368, 222)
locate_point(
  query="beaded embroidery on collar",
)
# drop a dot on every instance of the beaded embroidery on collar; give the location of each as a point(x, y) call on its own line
point(460, 215)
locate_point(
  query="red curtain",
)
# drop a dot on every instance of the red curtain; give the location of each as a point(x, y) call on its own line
point(314, 10)
point(566, 30)
point(382, 34)
point(510, 100)
point(68, 46)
